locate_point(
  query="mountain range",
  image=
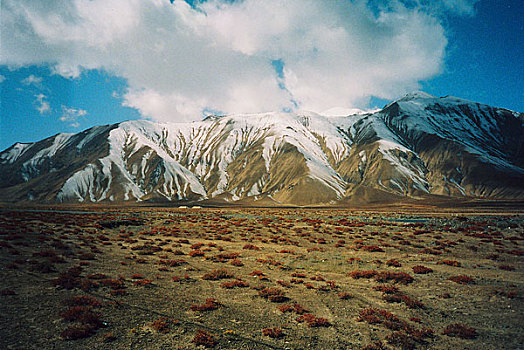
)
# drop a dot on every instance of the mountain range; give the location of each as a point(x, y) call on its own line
point(417, 147)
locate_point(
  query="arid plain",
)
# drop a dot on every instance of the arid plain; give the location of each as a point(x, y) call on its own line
point(109, 277)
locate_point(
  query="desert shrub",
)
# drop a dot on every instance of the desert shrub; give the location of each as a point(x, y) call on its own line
point(204, 338)
point(313, 321)
point(284, 284)
point(69, 279)
point(273, 294)
point(82, 314)
point(430, 251)
point(196, 246)
point(371, 248)
point(345, 295)
point(236, 262)
point(295, 307)
point(298, 274)
point(506, 293)
point(454, 263)
point(112, 283)
point(393, 262)
point(507, 267)
point(387, 289)
point(210, 304)
point(144, 282)
point(462, 279)
point(217, 275)
point(419, 269)
point(251, 247)
point(401, 297)
point(194, 253)
point(460, 330)
point(161, 325)
point(234, 284)
point(395, 277)
point(274, 332)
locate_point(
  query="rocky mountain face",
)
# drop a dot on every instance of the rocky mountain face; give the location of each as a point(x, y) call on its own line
point(417, 146)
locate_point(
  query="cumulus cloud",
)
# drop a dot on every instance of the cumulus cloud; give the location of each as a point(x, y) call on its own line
point(41, 105)
point(180, 60)
point(71, 115)
point(32, 80)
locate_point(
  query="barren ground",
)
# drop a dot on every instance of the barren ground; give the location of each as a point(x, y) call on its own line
point(316, 278)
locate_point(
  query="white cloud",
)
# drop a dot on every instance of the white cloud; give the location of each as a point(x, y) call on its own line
point(42, 106)
point(180, 61)
point(2, 78)
point(71, 115)
point(32, 80)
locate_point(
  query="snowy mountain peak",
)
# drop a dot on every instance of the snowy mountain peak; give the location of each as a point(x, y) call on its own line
point(417, 146)
point(416, 95)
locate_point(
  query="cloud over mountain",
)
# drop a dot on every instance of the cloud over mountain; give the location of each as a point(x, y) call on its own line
point(180, 60)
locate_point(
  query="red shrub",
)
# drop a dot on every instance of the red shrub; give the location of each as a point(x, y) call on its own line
point(194, 253)
point(372, 248)
point(236, 262)
point(217, 275)
point(462, 279)
point(454, 263)
point(82, 314)
point(393, 262)
point(419, 269)
point(386, 289)
point(204, 338)
point(299, 275)
point(146, 282)
point(460, 330)
point(274, 332)
point(210, 304)
point(273, 294)
point(161, 325)
point(233, 284)
point(313, 321)
point(251, 247)
point(396, 277)
point(345, 295)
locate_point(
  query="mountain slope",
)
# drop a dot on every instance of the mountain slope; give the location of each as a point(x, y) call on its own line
point(416, 146)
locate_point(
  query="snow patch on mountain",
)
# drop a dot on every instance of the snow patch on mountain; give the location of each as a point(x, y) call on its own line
point(14, 152)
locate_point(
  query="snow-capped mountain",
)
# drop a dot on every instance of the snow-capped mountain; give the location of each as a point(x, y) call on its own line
point(417, 146)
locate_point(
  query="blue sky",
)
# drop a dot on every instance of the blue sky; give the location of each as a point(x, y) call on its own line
point(172, 62)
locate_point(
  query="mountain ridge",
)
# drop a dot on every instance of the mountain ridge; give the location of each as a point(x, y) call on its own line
point(417, 146)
